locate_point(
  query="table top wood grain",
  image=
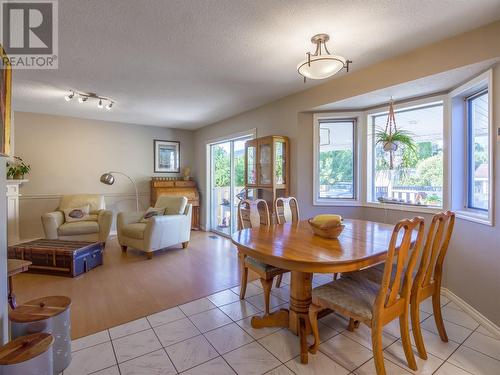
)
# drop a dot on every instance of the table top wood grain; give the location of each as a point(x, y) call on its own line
point(294, 246)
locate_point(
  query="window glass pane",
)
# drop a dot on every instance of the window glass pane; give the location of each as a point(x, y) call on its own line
point(336, 159)
point(478, 151)
point(416, 177)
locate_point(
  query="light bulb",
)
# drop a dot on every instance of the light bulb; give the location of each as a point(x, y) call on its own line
point(99, 105)
point(69, 97)
point(108, 107)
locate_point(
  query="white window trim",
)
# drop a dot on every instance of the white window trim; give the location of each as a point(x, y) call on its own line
point(358, 173)
point(484, 80)
point(367, 202)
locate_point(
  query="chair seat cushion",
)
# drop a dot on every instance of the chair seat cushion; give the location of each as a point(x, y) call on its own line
point(263, 268)
point(355, 295)
point(134, 230)
point(78, 227)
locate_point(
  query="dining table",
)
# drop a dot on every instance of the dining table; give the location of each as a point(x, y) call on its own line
point(294, 247)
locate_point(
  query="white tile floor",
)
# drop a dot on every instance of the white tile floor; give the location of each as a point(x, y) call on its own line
point(213, 335)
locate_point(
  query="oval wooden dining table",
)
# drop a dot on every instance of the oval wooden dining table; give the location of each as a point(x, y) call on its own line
point(294, 247)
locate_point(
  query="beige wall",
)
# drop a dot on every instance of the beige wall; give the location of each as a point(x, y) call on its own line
point(472, 269)
point(68, 155)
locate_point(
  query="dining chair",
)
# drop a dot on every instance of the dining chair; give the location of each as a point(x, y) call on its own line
point(253, 214)
point(377, 304)
point(427, 280)
point(287, 211)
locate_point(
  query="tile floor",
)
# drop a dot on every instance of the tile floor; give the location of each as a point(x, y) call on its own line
point(213, 335)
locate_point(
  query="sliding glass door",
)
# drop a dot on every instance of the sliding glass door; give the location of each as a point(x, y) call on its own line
point(227, 181)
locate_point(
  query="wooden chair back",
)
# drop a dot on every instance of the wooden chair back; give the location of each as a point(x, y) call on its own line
point(435, 249)
point(286, 209)
point(253, 213)
point(401, 259)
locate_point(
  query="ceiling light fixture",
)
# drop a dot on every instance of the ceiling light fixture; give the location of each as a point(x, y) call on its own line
point(322, 64)
point(83, 97)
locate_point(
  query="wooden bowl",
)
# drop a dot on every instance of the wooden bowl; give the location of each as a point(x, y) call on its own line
point(325, 230)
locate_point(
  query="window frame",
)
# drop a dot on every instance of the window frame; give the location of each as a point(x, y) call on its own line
point(369, 139)
point(469, 146)
point(460, 169)
point(355, 117)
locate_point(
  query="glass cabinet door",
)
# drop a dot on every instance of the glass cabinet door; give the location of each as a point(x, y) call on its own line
point(265, 163)
point(279, 162)
point(251, 163)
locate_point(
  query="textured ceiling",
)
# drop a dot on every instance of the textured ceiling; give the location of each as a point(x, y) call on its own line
point(186, 63)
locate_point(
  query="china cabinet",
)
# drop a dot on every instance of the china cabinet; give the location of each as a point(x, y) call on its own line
point(267, 163)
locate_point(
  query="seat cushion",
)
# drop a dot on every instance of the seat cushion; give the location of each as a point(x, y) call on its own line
point(263, 268)
point(77, 228)
point(355, 295)
point(134, 230)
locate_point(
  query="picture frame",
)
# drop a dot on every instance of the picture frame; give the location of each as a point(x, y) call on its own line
point(167, 156)
point(5, 103)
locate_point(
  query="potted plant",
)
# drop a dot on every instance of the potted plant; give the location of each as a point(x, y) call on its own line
point(392, 140)
point(17, 169)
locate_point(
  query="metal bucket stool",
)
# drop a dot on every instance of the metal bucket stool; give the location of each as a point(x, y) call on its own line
point(28, 355)
point(50, 315)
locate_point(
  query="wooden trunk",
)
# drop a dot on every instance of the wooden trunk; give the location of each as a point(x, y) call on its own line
point(58, 257)
point(160, 186)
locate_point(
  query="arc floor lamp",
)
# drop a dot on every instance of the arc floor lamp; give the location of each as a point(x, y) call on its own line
point(109, 179)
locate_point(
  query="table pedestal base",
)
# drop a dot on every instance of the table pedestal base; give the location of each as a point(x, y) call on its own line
point(297, 318)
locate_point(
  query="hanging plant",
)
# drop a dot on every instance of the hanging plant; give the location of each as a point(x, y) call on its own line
point(391, 138)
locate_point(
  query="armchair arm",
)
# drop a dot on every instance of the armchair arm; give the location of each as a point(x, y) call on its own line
point(50, 222)
point(104, 219)
point(166, 230)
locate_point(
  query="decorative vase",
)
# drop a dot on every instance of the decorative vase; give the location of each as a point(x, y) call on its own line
point(18, 176)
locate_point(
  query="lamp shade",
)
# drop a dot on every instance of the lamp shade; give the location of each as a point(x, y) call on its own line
point(108, 179)
point(322, 66)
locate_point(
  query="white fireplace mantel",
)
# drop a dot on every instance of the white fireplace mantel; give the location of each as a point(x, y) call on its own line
point(13, 209)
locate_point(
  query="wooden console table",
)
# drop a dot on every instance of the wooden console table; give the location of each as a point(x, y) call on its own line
point(161, 186)
point(15, 266)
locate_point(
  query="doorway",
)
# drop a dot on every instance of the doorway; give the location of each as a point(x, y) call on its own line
point(227, 183)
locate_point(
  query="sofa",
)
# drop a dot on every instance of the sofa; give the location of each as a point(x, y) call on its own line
point(94, 227)
point(157, 232)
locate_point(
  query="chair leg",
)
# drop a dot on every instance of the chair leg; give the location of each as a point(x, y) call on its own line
point(438, 316)
point(150, 254)
point(313, 319)
point(378, 355)
point(353, 324)
point(267, 284)
point(417, 331)
point(303, 339)
point(185, 244)
point(405, 338)
point(124, 249)
point(278, 280)
point(244, 276)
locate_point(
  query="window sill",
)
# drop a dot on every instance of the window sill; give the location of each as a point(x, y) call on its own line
point(337, 202)
point(403, 207)
point(475, 217)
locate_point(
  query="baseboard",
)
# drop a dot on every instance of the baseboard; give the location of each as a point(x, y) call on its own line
point(476, 315)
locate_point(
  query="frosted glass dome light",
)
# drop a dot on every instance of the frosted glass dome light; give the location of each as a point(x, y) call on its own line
point(321, 65)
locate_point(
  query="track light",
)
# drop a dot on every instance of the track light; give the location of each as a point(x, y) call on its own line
point(70, 96)
point(85, 96)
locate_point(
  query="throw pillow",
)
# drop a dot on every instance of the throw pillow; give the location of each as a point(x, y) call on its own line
point(76, 214)
point(152, 212)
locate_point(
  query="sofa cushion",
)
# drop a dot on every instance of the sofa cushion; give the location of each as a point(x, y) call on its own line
point(173, 205)
point(134, 230)
point(77, 228)
point(76, 214)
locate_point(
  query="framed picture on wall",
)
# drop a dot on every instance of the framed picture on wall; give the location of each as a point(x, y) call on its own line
point(167, 156)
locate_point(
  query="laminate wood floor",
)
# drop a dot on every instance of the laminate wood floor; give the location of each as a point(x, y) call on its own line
point(129, 286)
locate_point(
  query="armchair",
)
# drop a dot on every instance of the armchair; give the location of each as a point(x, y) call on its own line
point(96, 228)
point(157, 232)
